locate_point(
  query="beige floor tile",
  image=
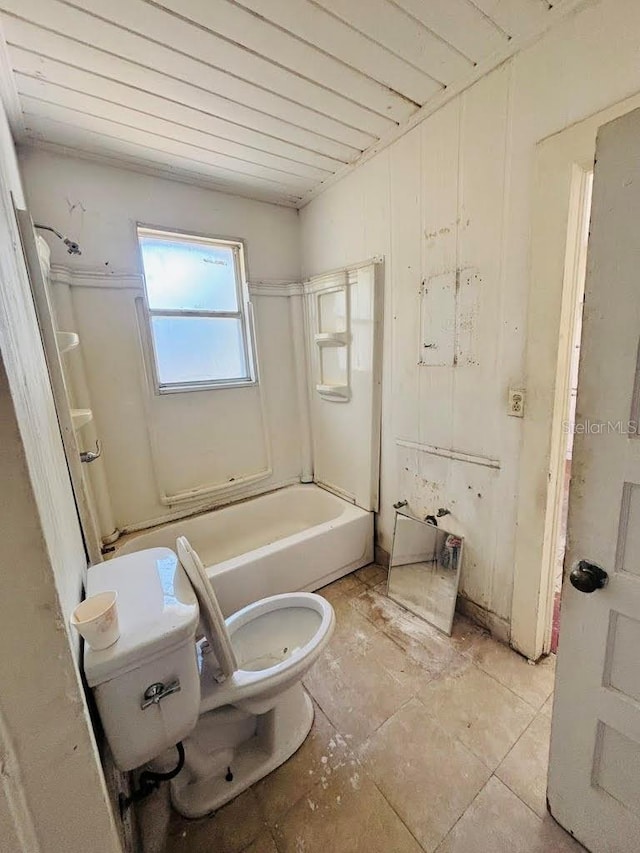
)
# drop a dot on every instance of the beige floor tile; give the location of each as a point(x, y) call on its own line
point(498, 822)
point(524, 770)
point(378, 608)
point(230, 830)
point(466, 634)
point(372, 575)
point(356, 698)
point(323, 752)
point(348, 815)
point(356, 637)
point(432, 650)
point(483, 714)
point(345, 586)
point(264, 843)
point(533, 683)
point(352, 630)
point(409, 726)
point(428, 777)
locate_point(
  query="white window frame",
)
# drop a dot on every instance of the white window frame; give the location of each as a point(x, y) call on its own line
point(244, 312)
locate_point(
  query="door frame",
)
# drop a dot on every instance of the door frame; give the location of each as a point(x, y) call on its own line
point(562, 162)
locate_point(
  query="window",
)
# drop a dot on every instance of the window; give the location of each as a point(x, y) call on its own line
point(197, 301)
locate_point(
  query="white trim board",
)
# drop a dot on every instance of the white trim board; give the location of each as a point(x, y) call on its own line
point(458, 455)
point(348, 271)
point(121, 280)
point(556, 160)
point(202, 508)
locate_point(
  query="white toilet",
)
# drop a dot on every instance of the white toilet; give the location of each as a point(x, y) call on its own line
point(235, 698)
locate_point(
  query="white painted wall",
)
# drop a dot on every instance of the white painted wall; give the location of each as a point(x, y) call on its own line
point(52, 791)
point(185, 440)
point(456, 192)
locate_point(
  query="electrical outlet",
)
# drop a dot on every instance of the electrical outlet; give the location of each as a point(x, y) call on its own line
point(515, 407)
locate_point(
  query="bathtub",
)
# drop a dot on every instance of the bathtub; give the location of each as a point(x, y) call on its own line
point(297, 538)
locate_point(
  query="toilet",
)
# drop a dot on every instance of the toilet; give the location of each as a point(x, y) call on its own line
point(229, 689)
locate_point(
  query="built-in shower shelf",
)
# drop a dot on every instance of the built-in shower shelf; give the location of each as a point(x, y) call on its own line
point(331, 339)
point(334, 392)
point(81, 417)
point(67, 341)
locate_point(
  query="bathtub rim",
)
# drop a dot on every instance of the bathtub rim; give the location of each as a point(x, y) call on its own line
point(124, 545)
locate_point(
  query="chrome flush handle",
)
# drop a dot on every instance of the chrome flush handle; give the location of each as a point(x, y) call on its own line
point(158, 691)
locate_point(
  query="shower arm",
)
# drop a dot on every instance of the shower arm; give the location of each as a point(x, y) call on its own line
point(48, 228)
point(72, 247)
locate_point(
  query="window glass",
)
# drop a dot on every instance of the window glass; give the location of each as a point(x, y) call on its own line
point(198, 349)
point(196, 304)
point(187, 275)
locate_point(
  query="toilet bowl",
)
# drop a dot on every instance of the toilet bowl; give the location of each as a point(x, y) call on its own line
point(252, 667)
point(229, 689)
point(275, 641)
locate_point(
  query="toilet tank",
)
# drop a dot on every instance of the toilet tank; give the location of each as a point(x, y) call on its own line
point(146, 685)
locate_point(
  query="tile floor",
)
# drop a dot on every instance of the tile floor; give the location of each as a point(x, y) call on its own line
point(420, 742)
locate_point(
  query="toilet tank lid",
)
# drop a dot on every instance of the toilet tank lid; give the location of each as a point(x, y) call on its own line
point(157, 610)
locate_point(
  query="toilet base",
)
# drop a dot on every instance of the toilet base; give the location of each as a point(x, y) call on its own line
point(203, 787)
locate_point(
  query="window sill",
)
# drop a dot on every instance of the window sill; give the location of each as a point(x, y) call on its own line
point(205, 386)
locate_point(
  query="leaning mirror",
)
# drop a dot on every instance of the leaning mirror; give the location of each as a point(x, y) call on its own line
point(425, 570)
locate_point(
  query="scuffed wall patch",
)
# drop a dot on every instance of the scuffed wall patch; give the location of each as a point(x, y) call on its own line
point(449, 318)
point(428, 481)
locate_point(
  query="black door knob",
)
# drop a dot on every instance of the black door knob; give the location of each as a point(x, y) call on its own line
point(587, 577)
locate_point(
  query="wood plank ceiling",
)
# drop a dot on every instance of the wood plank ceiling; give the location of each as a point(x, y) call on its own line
point(266, 98)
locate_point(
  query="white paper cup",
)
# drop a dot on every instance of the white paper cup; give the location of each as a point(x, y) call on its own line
point(96, 619)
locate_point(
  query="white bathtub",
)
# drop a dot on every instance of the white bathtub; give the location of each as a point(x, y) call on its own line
point(297, 538)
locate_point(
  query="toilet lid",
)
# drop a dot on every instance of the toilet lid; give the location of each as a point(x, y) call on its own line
point(212, 618)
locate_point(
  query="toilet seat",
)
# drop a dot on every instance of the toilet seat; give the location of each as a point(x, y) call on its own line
point(245, 684)
point(210, 612)
point(261, 648)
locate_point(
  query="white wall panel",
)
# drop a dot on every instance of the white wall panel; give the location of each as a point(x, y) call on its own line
point(202, 438)
point(345, 387)
point(480, 214)
point(436, 346)
point(438, 180)
point(465, 174)
point(405, 274)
